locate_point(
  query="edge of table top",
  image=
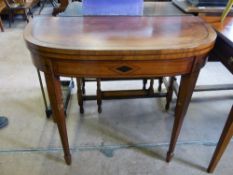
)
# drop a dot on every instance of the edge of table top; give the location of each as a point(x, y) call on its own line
point(189, 49)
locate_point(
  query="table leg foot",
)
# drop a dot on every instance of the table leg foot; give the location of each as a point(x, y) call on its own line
point(169, 156)
point(99, 109)
point(68, 159)
point(81, 110)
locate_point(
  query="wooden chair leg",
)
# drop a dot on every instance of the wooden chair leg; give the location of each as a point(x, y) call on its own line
point(80, 95)
point(30, 12)
point(160, 84)
point(83, 85)
point(99, 97)
point(225, 138)
point(144, 83)
point(10, 18)
point(151, 88)
point(26, 16)
point(169, 93)
point(1, 25)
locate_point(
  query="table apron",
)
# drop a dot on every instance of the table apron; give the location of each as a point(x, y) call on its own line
point(118, 69)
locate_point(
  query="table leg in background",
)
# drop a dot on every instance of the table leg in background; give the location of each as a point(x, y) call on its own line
point(225, 138)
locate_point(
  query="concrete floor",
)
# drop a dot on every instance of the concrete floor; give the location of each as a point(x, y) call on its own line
point(129, 137)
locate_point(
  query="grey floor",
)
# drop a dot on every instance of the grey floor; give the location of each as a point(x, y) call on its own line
point(129, 137)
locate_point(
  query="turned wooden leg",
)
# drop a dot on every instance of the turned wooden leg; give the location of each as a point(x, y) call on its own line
point(160, 84)
point(186, 88)
point(225, 138)
point(30, 12)
point(144, 83)
point(26, 16)
point(1, 25)
point(99, 97)
point(80, 95)
point(83, 86)
point(55, 95)
point(10, 17)
point(151, 88)
point(169, 93)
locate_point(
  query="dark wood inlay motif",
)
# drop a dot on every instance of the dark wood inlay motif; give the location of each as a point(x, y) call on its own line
point(124, 69)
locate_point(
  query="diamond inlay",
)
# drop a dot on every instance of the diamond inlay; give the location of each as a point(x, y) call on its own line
point(124, 68)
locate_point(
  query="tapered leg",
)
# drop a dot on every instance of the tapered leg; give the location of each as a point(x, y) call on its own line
point(187, 85)
point(225, 138)
point(80, 95)
point(1, 25)
point(55, 95)
point(169, 93)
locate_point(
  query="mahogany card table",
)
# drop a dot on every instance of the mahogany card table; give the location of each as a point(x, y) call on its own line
point(119, 47)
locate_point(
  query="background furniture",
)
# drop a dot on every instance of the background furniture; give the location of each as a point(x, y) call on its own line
point(118, 94)
point(153, 54)
point(187, 7)
point(1, 25)
point(223, 51)
point(52, 2)
point(224, 140)
point(13, 7)
point(2, 6)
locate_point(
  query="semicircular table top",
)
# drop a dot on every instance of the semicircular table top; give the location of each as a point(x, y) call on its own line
point(131, 34)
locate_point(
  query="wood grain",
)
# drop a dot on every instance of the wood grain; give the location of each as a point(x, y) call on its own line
point(119, 47)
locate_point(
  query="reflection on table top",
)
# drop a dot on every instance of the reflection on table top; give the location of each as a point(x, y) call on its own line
point(149, 9)
point(112, 7)
point(173, 35)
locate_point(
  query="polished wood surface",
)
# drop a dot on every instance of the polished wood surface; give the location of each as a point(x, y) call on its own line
point(119, 47)
point(101, 36)
point(225, 29)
